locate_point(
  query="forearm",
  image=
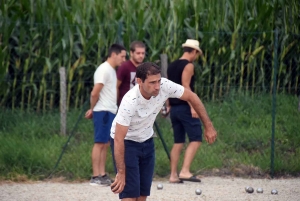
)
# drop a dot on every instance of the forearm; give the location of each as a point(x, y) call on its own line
point(119, 151)
point(93, 101)
point(198, 106)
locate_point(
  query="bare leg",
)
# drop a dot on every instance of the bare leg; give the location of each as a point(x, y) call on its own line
point(175, 155)
point(96, 158)
point(103, 155)
point(129, 199)
point(189, 155)
point(142, 198)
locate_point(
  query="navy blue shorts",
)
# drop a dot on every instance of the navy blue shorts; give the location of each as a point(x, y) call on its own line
point(183, 122)
point(102, 124)
point(139, 162)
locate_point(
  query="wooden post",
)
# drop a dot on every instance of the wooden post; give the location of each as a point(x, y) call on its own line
point(164, 65)
point(63, 101)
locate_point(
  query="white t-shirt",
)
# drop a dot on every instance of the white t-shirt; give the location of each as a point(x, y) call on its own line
point(106, 75)
point(139, 113)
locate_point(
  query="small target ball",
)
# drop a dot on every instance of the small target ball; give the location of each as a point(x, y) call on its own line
point(198, 191)
point(250, 190)
point(259, 190)
point(274, 192)
point(159, 186)
point(246, 188)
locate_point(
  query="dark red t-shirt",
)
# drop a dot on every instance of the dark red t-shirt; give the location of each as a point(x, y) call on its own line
point(126, 73)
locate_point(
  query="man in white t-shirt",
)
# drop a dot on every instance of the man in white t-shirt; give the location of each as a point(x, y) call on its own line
point(132, 129)
point(103, 108)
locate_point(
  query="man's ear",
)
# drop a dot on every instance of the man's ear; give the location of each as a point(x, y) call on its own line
point(138, 80)
point(113, 54)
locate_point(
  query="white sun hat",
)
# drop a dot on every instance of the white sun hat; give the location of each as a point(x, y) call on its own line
point(192, 44)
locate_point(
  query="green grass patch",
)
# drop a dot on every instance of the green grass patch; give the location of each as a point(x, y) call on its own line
point(30, 143)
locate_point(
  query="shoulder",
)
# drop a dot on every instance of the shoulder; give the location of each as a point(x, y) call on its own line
point(102, 67)
point(125, 64)
point(165, 83)
point(130, 98)
point(189, 67)
point(123, 68)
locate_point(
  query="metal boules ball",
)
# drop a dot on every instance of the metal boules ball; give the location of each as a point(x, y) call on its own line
point(246, 188)
point(259, 190)
point(250, 190)
point(274, 192)
point(198, 191)
point(160, 186)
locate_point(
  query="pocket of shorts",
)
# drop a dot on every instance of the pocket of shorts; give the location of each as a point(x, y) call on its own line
point(105, 118)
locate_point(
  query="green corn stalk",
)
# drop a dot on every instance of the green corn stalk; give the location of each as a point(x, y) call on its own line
point(262, 71)
point(248, 68)
point(26, 66)
point(243, 54)
point(29, 97)
point(253, 63)
point(42, 91)
point(14, 86)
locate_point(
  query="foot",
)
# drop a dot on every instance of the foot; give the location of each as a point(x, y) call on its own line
point(176, 181)
point(100, 181)
point(192, 178)
point(174, 178)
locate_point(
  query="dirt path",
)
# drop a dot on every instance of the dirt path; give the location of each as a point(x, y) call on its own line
point(213, 188)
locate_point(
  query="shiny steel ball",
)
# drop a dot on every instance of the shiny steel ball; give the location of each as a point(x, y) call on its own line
point(250, 190)
point(198, 191)
point(159, 186)
point(259, 190)
point(274, 192)
point(246, 188)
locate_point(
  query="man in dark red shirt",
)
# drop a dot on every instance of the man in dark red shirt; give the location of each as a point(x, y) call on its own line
point(126, 72)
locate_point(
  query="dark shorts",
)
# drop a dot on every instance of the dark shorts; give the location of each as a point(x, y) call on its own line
point(102, 124)
point(183, 122)
point(139, 162)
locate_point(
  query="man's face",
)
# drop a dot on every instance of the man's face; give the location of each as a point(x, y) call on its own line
point(151, 85)
point(138, 55)
point(120, 58)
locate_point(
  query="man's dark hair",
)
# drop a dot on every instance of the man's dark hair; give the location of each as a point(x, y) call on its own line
point(189, 49)
point(145, 69)
point(136, 44)
point(116, 48)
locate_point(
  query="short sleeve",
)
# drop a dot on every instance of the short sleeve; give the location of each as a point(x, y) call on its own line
point(173, 89)
point(125, 112)
point(99, 75)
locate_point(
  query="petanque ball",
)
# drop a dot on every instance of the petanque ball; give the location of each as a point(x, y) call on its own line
point(159, 186)
point(259, 190)
point(274, 192)
point(250, 190)
point(198, 191)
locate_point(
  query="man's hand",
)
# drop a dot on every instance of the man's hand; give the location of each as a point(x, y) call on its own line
point(119, 183)
point(194, 113)
point(89, 114)
point(210, 134)
point(165, 111)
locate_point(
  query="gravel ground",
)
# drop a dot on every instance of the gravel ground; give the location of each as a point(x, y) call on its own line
point(213, 188)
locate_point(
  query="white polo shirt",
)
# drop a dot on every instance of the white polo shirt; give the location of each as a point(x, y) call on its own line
point(106, 75)
point(139, 113)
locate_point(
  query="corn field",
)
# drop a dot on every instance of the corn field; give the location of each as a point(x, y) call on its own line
point(238, 39)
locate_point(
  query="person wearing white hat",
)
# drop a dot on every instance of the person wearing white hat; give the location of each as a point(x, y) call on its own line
point(183, 116)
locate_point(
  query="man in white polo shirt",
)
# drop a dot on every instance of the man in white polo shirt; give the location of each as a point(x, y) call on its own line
point(132, 129)
point(103, 109)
